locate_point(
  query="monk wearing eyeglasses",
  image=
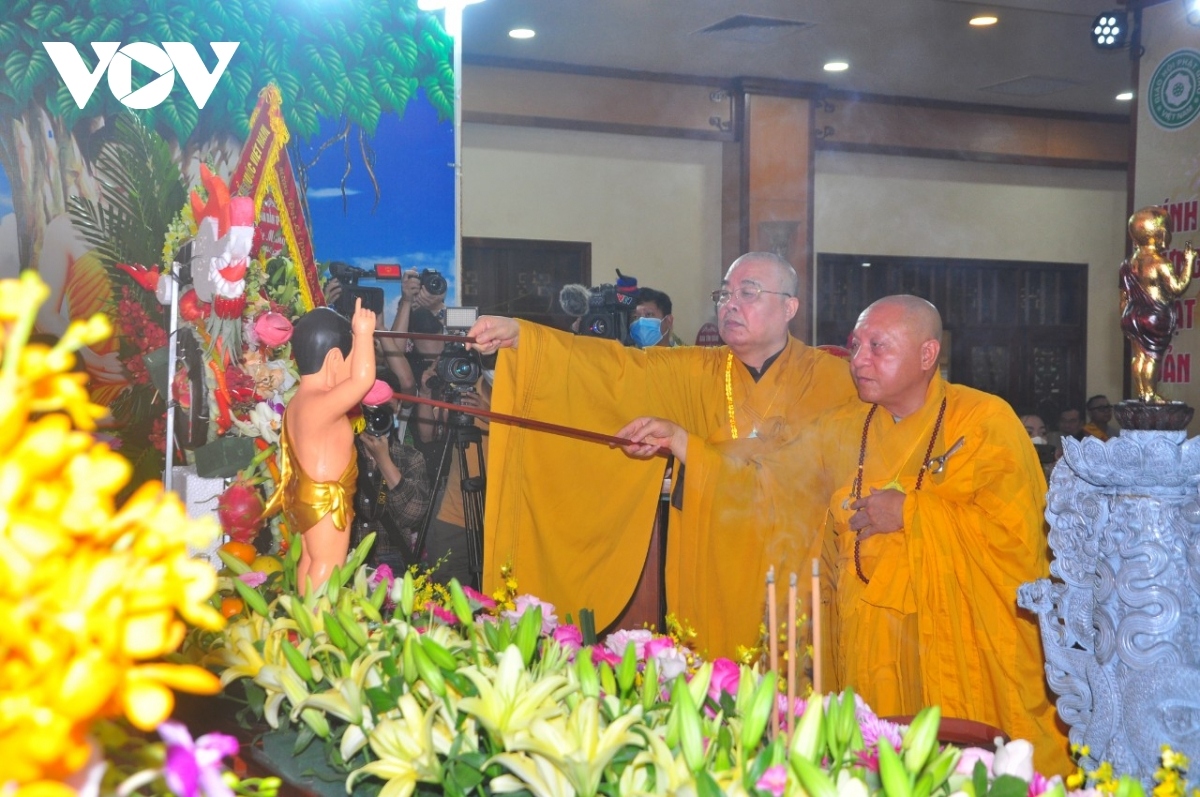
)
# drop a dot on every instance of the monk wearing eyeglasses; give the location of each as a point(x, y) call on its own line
point(575, 518)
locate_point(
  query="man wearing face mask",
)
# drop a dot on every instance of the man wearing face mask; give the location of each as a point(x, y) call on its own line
point(652, 320)
point(575, 518)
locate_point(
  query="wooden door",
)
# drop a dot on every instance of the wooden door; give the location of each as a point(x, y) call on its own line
point(1016, 329)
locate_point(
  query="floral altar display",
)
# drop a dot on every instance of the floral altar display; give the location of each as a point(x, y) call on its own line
point(409, 687)
point(95, 596)
point(236, 291)
point(401, 684)
point(1121, 630)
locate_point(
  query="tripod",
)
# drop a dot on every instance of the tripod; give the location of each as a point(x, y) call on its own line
point(461, 436)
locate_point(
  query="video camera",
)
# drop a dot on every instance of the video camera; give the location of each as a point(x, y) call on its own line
point(609, 309)
point(348, 276)
point(458, 368)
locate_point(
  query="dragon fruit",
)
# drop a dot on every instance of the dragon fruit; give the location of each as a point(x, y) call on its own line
point(240, 510)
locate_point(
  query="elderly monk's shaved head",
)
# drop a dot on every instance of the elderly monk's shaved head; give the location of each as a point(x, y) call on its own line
point(894, 352)
point(918, 315)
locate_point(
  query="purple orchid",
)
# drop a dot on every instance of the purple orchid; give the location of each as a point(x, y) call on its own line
point(194, 767)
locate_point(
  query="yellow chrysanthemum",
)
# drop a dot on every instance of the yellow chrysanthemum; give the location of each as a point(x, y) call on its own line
point(92, 596)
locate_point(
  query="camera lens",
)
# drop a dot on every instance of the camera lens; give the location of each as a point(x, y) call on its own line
point(378, 419)
point(434, 282)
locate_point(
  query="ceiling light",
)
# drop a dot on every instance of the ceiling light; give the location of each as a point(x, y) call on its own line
point(1125, 96)
point(836, 66)
point(1192, 9)
point(983, 20)
point(1109, 31)
point(521, 33)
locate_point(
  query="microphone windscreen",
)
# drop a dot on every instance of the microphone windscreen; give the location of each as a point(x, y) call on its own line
point(574, 299)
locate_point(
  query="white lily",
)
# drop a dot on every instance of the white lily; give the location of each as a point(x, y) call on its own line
point(406, 750)
point(239, 657)
point(576, 744)
point(509, 699)
point(281, 682)
point(534, 774)
point(345, 699)
point(671, 773)
point(850, 786)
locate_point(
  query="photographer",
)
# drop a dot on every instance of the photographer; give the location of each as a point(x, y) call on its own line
point(420, 300)
point(393, 485)
point(448, 529)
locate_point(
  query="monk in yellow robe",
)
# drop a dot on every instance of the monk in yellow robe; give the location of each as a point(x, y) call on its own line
point(574, 518)
point(937, 514)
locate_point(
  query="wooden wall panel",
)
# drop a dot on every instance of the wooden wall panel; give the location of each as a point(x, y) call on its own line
point(971, 134)
point(778, 140)
point(596, 102)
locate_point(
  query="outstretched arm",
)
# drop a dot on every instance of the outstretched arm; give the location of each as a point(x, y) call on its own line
point(492, 332)
point(652, 435)
point(346, 394)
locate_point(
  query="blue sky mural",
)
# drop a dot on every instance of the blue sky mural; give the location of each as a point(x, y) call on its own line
point(413, 225)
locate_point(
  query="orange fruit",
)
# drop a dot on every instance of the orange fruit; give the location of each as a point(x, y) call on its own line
point(231, 605)
point(242, 550)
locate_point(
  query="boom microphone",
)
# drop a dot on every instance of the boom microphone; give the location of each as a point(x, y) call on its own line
point(574, 300)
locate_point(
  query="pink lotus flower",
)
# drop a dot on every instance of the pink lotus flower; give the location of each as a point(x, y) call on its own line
point(725, 677)
point(273, 329)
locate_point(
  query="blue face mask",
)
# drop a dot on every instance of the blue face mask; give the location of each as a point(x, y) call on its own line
point(646, 331)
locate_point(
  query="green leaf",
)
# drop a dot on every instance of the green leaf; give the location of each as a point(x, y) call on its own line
point(24, 70)
point(1008, 786)
point(379, 699)
point(181, 115)
point(979, 778)
point(46, 16)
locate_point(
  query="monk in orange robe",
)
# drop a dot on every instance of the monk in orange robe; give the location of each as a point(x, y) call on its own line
point(937, 515)
point(574, 518)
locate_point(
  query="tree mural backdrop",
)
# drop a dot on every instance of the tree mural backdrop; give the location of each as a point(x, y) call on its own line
point(340, 67)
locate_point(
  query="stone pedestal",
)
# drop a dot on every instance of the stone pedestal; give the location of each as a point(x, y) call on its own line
point(1121, 624)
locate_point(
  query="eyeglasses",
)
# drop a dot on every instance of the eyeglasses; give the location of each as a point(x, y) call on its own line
point(747, 294)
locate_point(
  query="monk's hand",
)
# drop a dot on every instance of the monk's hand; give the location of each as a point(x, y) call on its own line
point(363, 322)
point(879, 512)
point(650, 436)
point(492, 332)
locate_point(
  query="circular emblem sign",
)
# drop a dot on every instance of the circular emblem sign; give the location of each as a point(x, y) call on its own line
point(1173, 96)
